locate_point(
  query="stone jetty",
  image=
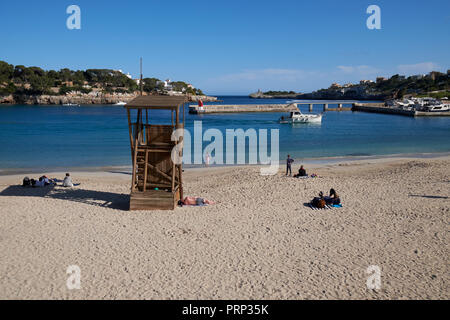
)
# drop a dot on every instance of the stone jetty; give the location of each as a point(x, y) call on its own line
point(223, 108)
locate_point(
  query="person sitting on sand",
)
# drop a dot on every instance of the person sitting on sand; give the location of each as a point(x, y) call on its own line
point(333, 198)
point(194, 201)
point(301, 173)
point(46, 180)
point(68, 181)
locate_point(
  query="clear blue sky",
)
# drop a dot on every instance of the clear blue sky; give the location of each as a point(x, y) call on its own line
point(232, 47)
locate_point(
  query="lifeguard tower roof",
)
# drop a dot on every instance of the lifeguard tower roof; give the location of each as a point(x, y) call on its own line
point(156, 102)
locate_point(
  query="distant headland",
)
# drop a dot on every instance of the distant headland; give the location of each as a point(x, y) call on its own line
point(33, 85)
point(435, 84)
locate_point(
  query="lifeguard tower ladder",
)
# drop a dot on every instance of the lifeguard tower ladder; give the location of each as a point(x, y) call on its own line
point(156, 182)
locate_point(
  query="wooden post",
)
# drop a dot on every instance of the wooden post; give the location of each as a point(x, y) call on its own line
point(310, 107)
point(145, 170)
point(325, 107)
point(180, 169)
point(130, 130)
point(136, 144)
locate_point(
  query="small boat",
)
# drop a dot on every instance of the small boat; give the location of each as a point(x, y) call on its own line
point(298, 117)
point(436, 108)
point(71, 105)
point(120, 103)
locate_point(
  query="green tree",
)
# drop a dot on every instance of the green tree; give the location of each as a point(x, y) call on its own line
point(6, 72)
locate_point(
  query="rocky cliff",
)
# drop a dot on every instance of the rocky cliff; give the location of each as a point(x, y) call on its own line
point(82, 99)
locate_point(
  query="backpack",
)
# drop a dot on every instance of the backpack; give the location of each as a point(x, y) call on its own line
point(26, 182)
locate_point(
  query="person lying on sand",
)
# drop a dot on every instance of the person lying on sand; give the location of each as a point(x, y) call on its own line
point(194, 201)
point(42, 182)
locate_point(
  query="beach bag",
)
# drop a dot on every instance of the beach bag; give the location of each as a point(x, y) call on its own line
point(26, 182)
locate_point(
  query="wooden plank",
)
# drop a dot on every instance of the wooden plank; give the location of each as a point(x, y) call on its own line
point(160, 172)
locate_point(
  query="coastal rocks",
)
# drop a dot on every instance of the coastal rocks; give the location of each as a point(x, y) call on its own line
point(7, 99)
point(82, 99)
point(203, 98)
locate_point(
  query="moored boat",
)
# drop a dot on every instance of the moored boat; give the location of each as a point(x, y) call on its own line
point(298, 117)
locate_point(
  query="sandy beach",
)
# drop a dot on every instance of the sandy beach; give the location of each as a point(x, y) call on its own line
point(259, 241)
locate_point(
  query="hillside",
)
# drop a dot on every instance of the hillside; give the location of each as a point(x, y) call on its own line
point(33, 85)
point(435, 84)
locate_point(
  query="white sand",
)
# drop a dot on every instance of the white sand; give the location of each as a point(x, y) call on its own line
point(258, 242)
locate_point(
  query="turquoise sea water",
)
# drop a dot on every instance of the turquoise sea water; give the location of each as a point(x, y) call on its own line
point(93, 136)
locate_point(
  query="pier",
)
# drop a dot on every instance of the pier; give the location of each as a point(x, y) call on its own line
point(381, 108)
point(235, 108)
point(374, 107)
point(326, 103)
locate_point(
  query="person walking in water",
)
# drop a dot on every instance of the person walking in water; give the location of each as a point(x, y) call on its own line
point(289, 161)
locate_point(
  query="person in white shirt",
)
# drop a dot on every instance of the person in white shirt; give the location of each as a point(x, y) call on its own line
point(68, 181)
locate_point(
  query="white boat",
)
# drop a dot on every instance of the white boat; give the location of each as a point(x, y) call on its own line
point(298, 117)
point(71, 105)
point(436, 108)
point(120, 103)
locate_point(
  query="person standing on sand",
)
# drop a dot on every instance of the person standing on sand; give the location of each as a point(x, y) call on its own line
point(289, 161)
point(207, 159)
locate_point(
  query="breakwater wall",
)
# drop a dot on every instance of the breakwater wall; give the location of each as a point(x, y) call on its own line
point(243, 108)
point(381, 108)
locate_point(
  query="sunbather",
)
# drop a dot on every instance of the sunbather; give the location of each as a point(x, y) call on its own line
point(333, 198)
point(195, 201)
point(319, 202)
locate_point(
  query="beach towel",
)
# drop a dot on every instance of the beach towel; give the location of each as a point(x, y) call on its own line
point(327, 207)
point(194, 205)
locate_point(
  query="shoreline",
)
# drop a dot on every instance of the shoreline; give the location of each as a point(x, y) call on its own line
point(83, 99)
point(312, 162)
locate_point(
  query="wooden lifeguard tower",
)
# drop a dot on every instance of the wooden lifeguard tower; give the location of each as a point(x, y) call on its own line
point(156, 182)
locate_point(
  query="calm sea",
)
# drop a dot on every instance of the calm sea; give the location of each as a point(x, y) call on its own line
point(94, 136)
